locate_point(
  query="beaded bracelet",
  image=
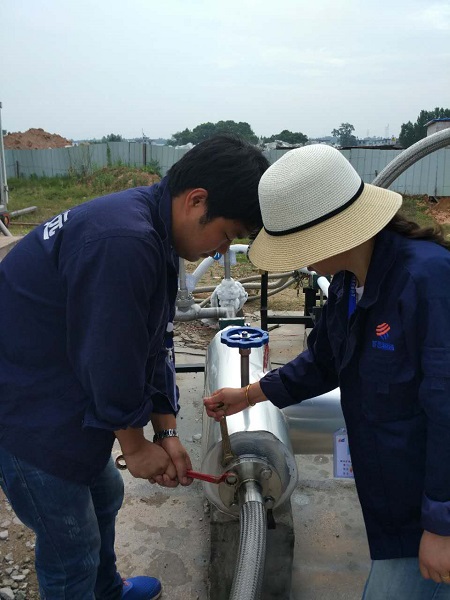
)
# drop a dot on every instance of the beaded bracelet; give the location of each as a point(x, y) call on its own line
point(247, 397)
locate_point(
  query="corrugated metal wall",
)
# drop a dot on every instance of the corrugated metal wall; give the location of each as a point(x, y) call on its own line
point(431, 175)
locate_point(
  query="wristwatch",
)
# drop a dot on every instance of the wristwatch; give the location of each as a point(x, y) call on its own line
point(165, 433)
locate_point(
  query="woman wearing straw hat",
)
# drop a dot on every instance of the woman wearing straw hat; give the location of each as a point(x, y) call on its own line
point(384, 339)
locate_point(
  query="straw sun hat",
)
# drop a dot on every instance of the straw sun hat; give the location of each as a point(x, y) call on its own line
point(314, 205)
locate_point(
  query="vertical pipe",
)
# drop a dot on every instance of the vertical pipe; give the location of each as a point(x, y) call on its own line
point(245, 369)
point(3, 181)
point(227, 264)
point(182, 275)
point(263, 306)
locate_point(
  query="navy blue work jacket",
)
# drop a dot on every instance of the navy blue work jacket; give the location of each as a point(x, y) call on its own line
point(391, 360)
point(85, 300)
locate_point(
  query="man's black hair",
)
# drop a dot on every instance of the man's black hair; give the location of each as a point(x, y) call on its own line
point(229, 169)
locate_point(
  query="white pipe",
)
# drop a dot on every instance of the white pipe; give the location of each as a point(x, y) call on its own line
point(206, 263)
point(324, 284)
point(239, 248)
point(202, 268)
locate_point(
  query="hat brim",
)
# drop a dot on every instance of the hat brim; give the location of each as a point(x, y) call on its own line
point(348, 229)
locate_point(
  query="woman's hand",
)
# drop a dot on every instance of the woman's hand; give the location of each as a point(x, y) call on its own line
point(229, 401)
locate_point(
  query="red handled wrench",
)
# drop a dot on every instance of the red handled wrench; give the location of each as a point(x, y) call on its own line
point(228, 476)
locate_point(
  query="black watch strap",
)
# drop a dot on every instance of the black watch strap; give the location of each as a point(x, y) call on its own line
point(164, 433)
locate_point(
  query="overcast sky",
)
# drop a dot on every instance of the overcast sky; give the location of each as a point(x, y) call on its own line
point(87, 68)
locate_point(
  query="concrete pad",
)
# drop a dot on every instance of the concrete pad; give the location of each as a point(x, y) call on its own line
point(6, 243)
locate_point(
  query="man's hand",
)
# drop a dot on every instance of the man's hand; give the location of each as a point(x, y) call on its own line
point(149, 461)
point(434, 557)
point(144, 459)
point(180, 459)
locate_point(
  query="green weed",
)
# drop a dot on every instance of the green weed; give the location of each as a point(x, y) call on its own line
point(52, 195)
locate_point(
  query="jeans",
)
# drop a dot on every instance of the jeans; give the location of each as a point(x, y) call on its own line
point(74, 526)
point(400, 579)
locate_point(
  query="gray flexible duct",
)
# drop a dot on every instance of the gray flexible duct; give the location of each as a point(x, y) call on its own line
point(411, 155)
point(249, 571)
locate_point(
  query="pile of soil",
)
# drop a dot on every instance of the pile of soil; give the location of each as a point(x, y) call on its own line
point(440, 211)
point(34, 139)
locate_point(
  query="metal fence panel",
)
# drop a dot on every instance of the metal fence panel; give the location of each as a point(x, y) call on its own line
point(443, 172)
point(430, 175)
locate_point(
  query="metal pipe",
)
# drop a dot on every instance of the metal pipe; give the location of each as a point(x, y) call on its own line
point(4, 229)
point(3, 179)
point(196, 312)
point(182, 275)
point(304, 428)
point(249, 571)
point(22, 211)
point(272, 443)
point(227, 265)
point(245, 370)
point(246, 284)
point(313, 422)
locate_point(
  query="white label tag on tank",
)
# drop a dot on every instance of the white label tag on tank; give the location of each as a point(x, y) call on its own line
point(342, 460)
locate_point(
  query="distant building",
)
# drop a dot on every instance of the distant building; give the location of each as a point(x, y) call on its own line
point(437, 125)
point(375, 143)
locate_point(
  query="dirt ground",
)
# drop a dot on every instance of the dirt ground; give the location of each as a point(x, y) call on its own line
point(34, 139)
point(440, 211)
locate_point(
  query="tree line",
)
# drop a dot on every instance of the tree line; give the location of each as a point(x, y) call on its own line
point(410, 133)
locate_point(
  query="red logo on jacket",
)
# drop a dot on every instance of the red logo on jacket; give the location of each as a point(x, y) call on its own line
point(382, 331)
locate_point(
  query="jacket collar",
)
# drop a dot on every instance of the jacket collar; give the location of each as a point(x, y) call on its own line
point(386, 248)
point(163, 204)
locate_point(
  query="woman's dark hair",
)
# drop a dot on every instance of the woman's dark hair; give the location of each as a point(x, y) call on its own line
point(229, 169)
point(410, 229)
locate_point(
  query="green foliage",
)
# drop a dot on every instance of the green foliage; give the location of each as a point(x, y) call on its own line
point(411, 133)
point(207, 130)
point(112, 137)
point(52, 195)
point(345, 135)
point(289, 137)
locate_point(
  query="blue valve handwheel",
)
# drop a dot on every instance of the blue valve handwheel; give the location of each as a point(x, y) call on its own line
point(244, 337)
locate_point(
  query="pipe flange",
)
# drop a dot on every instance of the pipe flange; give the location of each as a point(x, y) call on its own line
point(250, 468)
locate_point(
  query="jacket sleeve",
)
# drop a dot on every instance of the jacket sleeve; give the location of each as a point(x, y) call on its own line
point(109, 331)
point(434, 396)
point(432, 315)
point(308, 375)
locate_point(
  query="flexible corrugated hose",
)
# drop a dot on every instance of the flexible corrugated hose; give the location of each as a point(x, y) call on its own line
point(249, 571)
point(411, 155)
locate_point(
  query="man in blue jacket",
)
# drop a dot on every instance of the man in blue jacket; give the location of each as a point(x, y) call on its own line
point(89, 299)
